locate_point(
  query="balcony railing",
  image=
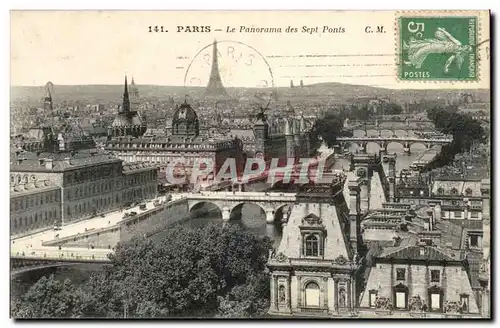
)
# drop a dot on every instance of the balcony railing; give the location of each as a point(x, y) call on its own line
point(313, 310)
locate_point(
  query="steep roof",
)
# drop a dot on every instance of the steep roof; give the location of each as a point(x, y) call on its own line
point(329, 216)
point(430, 253)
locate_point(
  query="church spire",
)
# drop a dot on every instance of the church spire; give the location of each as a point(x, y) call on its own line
point(126, 100)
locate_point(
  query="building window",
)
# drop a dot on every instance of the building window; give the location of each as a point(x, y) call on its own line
point(435, 275)
point(464, 303)
point(474, 241)
point(312, 245)
point(474, 215)
point(400, 296)
point(436, 299)
point(400, 274)
point(458, 214)
point(373, 297)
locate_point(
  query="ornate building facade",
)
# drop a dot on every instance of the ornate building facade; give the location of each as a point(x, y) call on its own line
point(283, 138)
point(315, 268)
point(418, 279)
point(183, 146)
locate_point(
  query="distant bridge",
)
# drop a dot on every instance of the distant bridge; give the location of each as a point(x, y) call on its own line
point(385, 131)
point(383, 142)
point(417, 123)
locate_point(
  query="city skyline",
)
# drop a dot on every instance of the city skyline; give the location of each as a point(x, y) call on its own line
point(153, 59)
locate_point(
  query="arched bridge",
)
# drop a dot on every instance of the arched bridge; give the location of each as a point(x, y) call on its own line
point(383, 142)
point(272, 204)
point(389, 132)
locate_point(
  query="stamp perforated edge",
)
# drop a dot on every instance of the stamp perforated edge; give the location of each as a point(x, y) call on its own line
point(436, 13)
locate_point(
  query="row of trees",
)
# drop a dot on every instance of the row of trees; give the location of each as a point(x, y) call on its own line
point(465, 130)
point(213, 271)
point(327, 129)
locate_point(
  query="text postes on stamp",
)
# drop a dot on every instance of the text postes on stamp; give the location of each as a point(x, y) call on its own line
point(438, 48)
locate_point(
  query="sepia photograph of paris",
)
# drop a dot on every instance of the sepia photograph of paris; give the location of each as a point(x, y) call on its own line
point(250, 165)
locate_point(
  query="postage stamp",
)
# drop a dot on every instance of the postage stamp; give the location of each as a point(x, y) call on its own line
point(438, 48)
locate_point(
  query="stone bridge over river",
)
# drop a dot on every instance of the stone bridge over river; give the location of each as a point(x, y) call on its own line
point(273, 204)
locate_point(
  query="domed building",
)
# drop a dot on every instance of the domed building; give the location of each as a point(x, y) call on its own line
point(128, 121)
point(184, 144)
point(185, 121)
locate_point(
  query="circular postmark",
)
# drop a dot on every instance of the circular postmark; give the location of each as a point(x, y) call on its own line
point(232, 69)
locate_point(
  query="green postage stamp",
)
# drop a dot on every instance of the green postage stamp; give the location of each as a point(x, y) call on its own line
point(438, 48)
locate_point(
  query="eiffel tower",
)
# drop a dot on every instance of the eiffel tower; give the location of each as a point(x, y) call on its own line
point(215, 87)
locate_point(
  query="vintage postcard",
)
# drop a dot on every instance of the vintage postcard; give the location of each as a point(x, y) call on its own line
point(250, 164)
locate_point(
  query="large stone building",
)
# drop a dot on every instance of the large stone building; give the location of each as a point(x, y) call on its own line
point(426, 262)
point(67, 171)
point(419, 278)
point(184, 145)
point(379, 259)
point(315, 268)
point(284, 138)
point(456, 199)
point(186, 139)
point(34, 206)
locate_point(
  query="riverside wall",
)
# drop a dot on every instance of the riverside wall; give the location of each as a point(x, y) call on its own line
point(143, 224)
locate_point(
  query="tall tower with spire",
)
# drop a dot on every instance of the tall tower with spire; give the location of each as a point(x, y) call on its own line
point(47, 100)
point(127, 121)
point(215, 88)
point(134, 97)
point(126, 101)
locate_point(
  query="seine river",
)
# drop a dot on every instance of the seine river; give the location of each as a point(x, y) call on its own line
point(251, 218)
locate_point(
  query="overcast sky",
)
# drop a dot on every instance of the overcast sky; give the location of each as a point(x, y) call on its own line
point(87, 47)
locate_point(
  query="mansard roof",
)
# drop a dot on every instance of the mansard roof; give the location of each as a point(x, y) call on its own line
point(429, 253)
point(330, 216)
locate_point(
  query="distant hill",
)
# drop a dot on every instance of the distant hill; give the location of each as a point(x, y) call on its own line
point(333, 92)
